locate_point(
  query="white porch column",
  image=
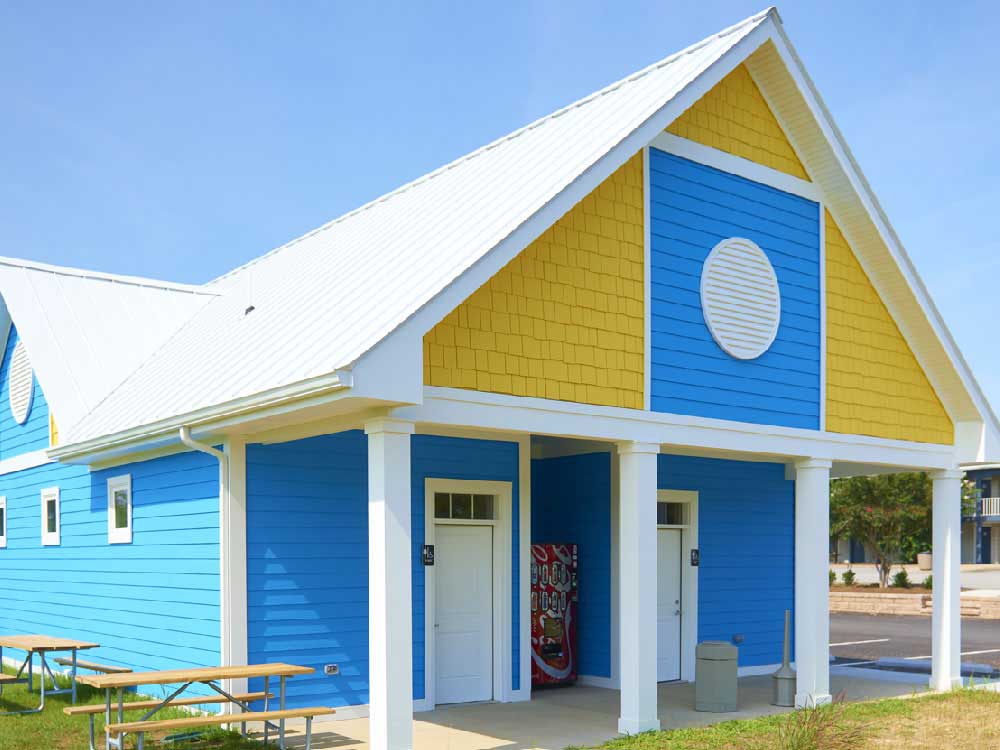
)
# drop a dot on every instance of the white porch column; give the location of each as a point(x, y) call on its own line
point(637, 570)
point(812, 589)
point(390, 604)
point(946, 621)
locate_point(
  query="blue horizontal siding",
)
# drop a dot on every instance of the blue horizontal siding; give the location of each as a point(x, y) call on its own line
point(33, 435)
point(438, 457)
point(307, 564)
point(151, 604)
point(307, 553)
point(571, 503)
point(746, 536)
point(692, 208)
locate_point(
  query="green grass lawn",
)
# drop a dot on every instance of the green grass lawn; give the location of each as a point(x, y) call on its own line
point(54, 730)
point(953, 721)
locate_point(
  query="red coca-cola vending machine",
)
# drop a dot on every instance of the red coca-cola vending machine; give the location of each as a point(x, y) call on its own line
point(553, 613)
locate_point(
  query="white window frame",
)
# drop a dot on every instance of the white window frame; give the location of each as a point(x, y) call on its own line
point(51, 539)
point(6, 522)
point(115, 534)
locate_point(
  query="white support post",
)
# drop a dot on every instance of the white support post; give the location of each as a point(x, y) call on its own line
point(637, 570)
point(946, 620)
point(812, 589)
point(233, 543)
point(390, 602)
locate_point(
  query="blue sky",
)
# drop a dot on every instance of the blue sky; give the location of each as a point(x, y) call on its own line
point(177, 140)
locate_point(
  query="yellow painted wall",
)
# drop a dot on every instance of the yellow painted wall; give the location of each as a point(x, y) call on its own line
point(564, 319)
point(734, 117)
point(875, 386)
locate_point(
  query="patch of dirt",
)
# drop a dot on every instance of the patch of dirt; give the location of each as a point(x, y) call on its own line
point(965, 721)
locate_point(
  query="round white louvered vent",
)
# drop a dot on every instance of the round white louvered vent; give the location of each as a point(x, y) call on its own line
point(740, 298)
point(20, 384)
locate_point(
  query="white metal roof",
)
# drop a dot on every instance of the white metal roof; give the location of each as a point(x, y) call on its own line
point(325, 299)
point(86, 332)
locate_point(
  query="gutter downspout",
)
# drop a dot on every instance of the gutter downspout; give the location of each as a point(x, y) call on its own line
point(224, 545)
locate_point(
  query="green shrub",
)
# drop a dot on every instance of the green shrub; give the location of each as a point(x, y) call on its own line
point(833, 577)
point(901, 580)
point(929, 583)
point(848, 577)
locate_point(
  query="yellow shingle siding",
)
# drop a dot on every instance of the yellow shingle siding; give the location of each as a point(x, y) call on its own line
point(563, 320)
point(875, 386)
point(734, 117)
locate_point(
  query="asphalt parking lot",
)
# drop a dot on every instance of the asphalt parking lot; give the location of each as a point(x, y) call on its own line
point(868, 637)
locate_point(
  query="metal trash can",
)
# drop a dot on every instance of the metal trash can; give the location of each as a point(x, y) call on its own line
point(715, 687)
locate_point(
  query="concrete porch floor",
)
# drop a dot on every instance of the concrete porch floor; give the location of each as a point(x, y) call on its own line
point(556, 718)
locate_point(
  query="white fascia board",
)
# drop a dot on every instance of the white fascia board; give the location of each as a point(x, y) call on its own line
point(462, 408)
point(490, 264)
point(211, 420)
point(737, 165)
point(891, 240)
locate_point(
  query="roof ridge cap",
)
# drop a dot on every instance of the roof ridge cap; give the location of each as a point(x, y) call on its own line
point(108, 277)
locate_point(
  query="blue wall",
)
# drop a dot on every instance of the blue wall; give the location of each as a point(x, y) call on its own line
point(307, 553)
point(33, 435)
point(571, 502)
point(459, 458)
point(694, 207)
point(307, 563)
point(746, 535)
point(151, 604)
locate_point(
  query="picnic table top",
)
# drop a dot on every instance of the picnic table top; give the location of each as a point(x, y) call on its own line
point(197, 674)
point(43, 643)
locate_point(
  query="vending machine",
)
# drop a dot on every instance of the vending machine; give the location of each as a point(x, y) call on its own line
point(553, 613)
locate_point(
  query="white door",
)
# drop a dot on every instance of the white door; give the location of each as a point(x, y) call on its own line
point(463, 585)
point(668, 610)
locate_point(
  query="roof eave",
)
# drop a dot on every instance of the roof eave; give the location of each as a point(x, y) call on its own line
point(207, 421)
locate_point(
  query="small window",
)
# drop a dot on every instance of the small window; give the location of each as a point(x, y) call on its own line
point(670, 514)
point(50, 516)
point(3, 522)
point(120, 510)
point(461, 506)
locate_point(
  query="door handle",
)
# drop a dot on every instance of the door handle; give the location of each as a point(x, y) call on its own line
point(676, 612)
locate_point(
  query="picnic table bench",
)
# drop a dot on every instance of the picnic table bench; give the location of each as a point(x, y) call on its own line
point(42, 645)
point(116, 727)
point(91, 711)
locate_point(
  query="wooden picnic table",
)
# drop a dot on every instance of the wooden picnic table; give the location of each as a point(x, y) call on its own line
point(209, 676)
point(41, 645)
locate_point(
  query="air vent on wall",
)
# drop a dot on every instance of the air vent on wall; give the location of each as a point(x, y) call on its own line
point(740, 298)
point(20, 384)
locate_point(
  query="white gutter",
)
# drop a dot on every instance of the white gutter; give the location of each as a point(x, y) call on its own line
point(225, 583)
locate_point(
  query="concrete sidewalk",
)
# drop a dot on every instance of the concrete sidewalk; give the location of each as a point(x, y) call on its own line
point(581, 716)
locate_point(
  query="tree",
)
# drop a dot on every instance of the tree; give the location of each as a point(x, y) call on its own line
point(890, 514)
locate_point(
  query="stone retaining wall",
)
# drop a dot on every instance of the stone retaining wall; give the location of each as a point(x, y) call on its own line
point(907, 604)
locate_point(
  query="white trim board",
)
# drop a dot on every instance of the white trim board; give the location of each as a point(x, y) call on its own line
point(737, 165)
point(502, 574)
point(24, 462)
point(491, 411)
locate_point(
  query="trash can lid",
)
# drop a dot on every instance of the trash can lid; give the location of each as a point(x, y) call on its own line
point(716, 650)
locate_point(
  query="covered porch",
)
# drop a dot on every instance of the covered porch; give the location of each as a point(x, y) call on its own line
point(382, 473)
point(574, 716)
